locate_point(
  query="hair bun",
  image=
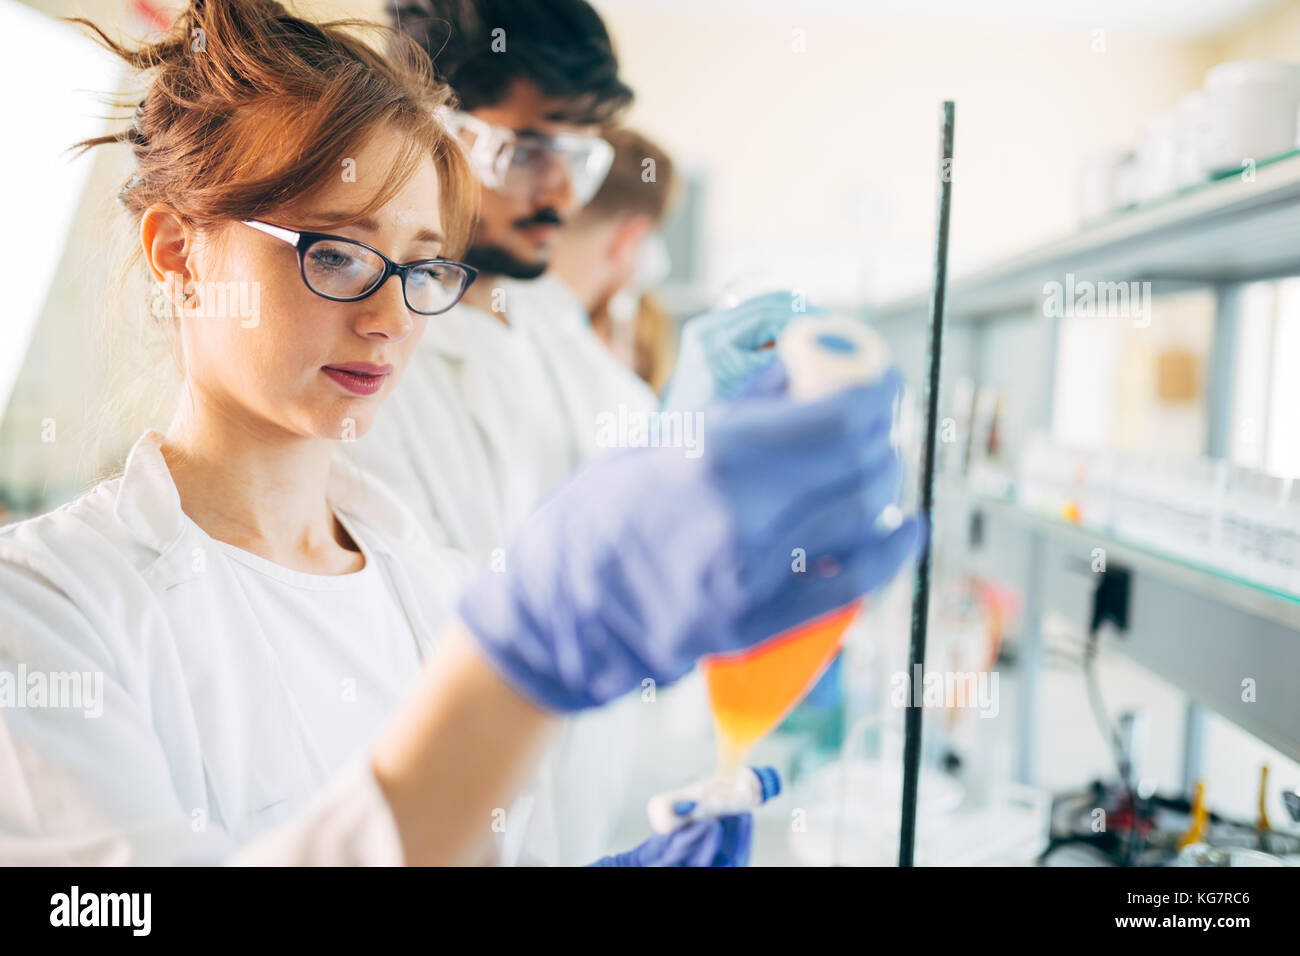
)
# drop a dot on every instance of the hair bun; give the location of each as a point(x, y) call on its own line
point(249, 108)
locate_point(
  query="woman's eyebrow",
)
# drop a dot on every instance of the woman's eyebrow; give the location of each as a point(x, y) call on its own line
point(340, 219)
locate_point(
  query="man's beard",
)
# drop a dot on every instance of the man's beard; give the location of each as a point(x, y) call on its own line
point(495, 261)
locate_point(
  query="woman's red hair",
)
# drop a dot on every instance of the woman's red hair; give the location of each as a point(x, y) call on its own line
point(248, 108)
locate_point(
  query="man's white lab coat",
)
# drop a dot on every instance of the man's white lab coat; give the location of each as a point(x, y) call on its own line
point(488, 419)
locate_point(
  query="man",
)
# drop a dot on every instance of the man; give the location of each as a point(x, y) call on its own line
point(500, 402)
point(606, 256)
point(503, 399)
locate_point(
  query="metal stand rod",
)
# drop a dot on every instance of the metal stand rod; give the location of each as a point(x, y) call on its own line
point(921, 589)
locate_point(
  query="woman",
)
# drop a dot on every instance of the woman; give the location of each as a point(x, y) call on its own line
point(247, 612)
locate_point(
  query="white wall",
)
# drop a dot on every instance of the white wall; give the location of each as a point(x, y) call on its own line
point(828, 156)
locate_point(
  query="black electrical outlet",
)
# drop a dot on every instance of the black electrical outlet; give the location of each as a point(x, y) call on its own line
point(1111, 598)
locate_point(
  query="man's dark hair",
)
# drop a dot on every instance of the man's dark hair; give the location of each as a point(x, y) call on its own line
point(560, 46)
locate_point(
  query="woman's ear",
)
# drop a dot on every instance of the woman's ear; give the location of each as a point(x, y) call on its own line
point(628, 236)
point(168, 244)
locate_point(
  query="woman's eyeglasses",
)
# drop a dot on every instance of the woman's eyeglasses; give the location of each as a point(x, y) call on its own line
point(345, 270)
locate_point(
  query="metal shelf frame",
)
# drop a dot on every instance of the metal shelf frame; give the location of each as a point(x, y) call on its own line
point(1204, 633)
point(1198, 629)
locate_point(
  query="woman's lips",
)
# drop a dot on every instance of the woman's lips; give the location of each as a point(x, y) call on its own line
point(359, 378)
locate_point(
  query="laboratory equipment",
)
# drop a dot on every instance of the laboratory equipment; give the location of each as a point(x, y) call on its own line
point(722, 350)
point(1261, 822)
point(1202, 854)
point(1291, 800)
point(1158, 157)
point(921, 592)
point(1250, 111)
point(850, 807)
point(1097, 184)
point(1200, 819)
point(750, 693)
point(1237, 520)
point(722, 795)
point(1189, 163)
point(588, 609)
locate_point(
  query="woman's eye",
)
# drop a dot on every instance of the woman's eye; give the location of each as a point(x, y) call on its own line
point(425, 275)
point(330, 259)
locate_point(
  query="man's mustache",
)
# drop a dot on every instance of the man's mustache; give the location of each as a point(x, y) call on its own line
point(544, 217)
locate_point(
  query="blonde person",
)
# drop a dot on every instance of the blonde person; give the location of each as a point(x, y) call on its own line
point(600, 257)
point(277, 665)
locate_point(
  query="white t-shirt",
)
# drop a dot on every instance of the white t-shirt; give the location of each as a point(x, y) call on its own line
point(345, 649)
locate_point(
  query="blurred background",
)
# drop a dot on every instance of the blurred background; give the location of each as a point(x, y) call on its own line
point(1117, 538)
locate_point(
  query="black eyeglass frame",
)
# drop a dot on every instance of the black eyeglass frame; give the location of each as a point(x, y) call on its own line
point(302, 241)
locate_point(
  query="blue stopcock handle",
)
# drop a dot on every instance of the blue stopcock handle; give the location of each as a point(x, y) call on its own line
point(769, 780)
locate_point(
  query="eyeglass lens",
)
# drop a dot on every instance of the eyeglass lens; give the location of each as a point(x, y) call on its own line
point(343, 270)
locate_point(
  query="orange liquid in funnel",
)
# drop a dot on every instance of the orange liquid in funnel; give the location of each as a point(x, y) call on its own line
point(751, 693)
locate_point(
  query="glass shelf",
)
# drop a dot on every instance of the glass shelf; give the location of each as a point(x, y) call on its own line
point(1211, 580)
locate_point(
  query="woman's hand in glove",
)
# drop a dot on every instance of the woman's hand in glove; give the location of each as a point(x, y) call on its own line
point(649, 559)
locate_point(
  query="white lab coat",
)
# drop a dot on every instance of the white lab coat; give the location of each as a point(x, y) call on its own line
point(458, 439)
point(472, 440)
point(198, 754)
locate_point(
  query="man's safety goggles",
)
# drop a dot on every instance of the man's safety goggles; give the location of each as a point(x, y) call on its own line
point(528, 163)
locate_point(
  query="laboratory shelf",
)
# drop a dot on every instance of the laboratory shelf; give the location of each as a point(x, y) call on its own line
point(1254, 597)
point(1230, 644)
point(1229, 230)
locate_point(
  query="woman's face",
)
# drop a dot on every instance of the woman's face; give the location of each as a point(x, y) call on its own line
point(279, 358)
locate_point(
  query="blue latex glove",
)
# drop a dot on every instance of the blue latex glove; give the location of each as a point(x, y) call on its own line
point(648, 560)
point(726, 841)
point(720, 351)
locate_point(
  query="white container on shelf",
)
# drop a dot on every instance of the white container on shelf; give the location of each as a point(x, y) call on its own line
point(1167, 521)
point(1191, 139)
point(1127, 182)
point(1157, 157)
point(1098, 184)
point(1205, 511)
point(1289, 537)
point(1250, 111)
point(1140, 518)
point(1097, 492)
point(1253, 518)
point(1203, 500)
